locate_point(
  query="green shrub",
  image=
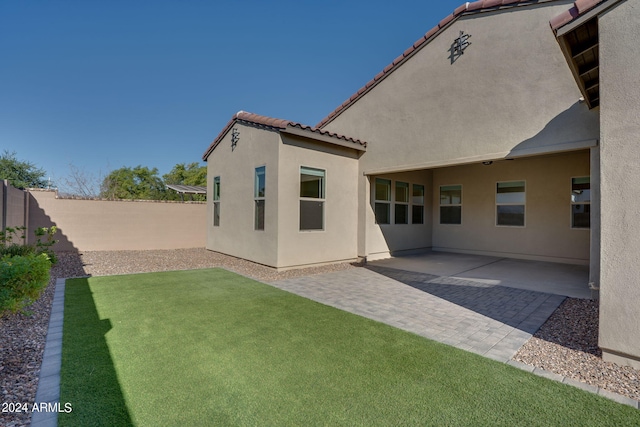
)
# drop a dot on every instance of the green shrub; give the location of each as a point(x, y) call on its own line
point(22, 279)
point(16, 250)
point(43, 244)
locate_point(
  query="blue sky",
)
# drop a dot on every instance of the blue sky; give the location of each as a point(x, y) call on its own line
point(105, 84)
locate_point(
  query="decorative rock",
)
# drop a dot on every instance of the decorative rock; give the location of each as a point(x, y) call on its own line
point(567, 344)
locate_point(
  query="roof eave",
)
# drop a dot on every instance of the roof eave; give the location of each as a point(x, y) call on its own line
point(562, 26)
point(583, 13)
point(468, 8)
point(219, 138)
point(566, 51)
point(389, 69)
point(307, 133)
point(284, 126)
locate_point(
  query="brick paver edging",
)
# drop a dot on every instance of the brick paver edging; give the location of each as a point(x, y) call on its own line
point(575, 383)
point(49, 379)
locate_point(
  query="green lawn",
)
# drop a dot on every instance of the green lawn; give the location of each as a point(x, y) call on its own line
point(209, 347)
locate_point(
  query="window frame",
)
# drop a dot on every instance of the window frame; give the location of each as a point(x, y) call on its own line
point(523, 204)
point(216, 201)
point(392, 199)
point(321, 199)
point(406, 186)
point(441, 205)
point(415, 205)
point(386, 202)
point(572, 203)
point(257, 198)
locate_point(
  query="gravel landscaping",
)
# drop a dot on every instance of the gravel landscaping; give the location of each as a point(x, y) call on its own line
point(22, 345)
point(566, 344)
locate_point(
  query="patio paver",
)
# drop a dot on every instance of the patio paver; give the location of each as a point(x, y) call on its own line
point(493, 321)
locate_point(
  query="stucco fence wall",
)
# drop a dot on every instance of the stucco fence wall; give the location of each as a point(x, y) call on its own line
point(95, 225)
point(13, 207)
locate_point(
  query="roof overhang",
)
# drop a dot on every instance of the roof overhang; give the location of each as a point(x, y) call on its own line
point(305, 133)
point(580, 48)
point(577, 33)
point(286, 127)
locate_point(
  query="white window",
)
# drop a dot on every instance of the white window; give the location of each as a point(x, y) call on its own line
point(510, 203)
point(259, 197)
point(417, 202)
point(401, 208)
point(451, 204)
point(312, 198)
point(382, 203)
point(216, 201)
point(581, 202)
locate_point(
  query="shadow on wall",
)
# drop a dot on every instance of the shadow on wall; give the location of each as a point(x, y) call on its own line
point(13, 208)
point(38, 218)
point(562, 130)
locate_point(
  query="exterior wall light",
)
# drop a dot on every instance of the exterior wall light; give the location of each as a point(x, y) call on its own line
point(487, 163)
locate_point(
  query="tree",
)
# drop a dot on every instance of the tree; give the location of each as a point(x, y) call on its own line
point(80, 183)
point(183, 174)
point(21, 174)
point(186, 174)
point(139, 183)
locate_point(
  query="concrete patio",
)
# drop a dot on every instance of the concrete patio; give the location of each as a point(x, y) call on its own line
point(554, 278)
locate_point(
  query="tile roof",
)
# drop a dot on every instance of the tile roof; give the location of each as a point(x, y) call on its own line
point(466, 8)
point(580, 7)
point(276, 124)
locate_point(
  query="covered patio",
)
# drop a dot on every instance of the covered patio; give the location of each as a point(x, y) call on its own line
point(554, 278)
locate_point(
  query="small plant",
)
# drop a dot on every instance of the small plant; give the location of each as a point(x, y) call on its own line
point(44, 247)
point(8, 236)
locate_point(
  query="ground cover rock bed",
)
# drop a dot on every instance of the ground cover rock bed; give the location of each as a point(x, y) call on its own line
point(566, 344)
point(22, 339)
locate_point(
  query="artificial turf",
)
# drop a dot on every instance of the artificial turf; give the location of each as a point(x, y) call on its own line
point(210, 347)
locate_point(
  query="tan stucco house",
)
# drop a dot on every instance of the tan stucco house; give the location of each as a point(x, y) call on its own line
point(509, 129)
